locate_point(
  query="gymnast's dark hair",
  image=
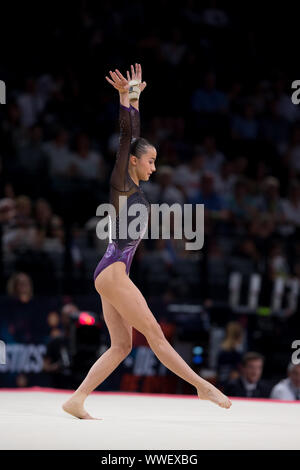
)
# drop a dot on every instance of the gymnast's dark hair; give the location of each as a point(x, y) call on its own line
point(139, 146)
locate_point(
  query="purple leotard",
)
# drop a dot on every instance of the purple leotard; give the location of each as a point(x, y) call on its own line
point(121, 184)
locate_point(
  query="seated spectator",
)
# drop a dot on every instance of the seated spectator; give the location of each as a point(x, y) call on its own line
point(174, 49)
point(164, 190)
point(20, 287)
point(89, 165)
point(20, 233)
point(226, 179)
point(278, 265)
point(261, 229)
point(209, 99)
point(289, 388)
point(291, 207)
point(240, 166)
point(274, 128)
point(245, 257)
point(7, 210)
point(230, 354)
point(207, 194)
point(213, 158)
point(249, 384)
point(43, 214)
point(187, 175)
point(291, 154)
point(58, 155)
point(245, 126)
point(240, 204)
point(31, 103)
point(31, 156)
point(270, 201)
point(31, 162)
point(58, 357)
point(13, 135)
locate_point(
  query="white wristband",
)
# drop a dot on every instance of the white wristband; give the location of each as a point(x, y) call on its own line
point(134, 90)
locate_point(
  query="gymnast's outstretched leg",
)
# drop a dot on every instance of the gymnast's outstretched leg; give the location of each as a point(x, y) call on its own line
point(132, 306)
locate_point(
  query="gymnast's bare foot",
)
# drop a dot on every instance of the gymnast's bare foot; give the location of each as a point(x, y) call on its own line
point(207, 391)
point(74, 406)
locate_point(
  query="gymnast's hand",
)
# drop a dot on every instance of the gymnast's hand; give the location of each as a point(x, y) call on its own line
point(118, 81)
point(136, 74)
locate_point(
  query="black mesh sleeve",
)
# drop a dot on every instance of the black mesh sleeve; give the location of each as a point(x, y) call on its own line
point(118, 177)
point(135, 122)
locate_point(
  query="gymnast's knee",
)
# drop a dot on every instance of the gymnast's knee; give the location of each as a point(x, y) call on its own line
point(121, 350)
point(153, 331)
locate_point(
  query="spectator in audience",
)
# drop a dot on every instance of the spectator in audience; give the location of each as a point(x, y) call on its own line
point(20, 287)
point(59, 157)
point(291, 155)
point(213, 158)
point(164, 191)
point(240, 205)
point(270, 201)
point(31, 103)
point(230, 354)
point(291, 207)
point(277, 261)
point(174, 49)
point(226, 179)
point(89, 165)
point(187, 175)
point(289, 388)
point(207, 194)
point(43, 214)
point(58, 357)
point(21, 232)
point(32, 162)
point(261, 229)
point(245, 257)
point(273, 128)
point(245, 126)
point(249, 384)
point(209, 99)
point(7, 210)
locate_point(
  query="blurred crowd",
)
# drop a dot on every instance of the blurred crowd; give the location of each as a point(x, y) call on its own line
point(226, 132)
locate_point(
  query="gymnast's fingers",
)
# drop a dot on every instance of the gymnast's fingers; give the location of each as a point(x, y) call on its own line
point(110, 81)
point(132, 72)
point(120, 75)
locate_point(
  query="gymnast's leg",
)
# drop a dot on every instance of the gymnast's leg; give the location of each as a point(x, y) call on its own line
point(132, 306)
point(121, 344)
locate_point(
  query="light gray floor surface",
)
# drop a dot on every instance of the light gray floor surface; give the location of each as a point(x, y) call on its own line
point(34, 420)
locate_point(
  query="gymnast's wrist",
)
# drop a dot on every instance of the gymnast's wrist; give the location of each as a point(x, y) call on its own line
point(134, 104)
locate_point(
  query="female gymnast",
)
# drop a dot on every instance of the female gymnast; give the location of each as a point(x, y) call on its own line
point(123, 304)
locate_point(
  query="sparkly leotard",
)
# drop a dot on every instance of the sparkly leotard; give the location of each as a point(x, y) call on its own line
point(121, 184)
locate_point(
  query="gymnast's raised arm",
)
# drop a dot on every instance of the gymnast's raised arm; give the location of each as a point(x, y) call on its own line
point(136, 75)
point(129, 123)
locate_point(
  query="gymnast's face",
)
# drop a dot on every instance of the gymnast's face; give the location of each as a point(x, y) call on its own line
point(145, 165)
